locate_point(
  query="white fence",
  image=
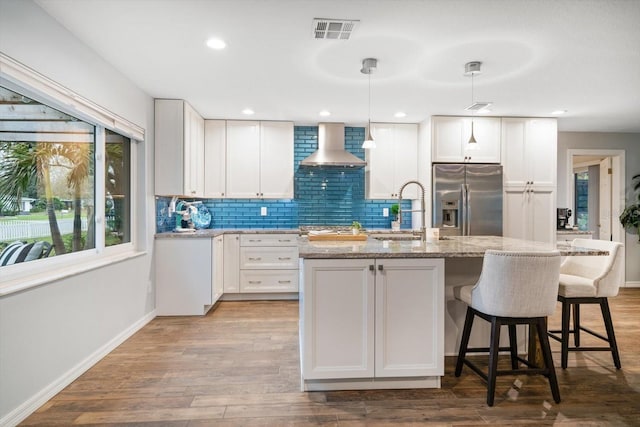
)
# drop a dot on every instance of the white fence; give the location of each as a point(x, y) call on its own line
point(20, 230)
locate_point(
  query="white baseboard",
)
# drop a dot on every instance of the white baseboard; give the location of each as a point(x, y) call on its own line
point(20, 413)
point(634, 284)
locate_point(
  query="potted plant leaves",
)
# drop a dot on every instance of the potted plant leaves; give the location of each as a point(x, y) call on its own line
point(630, 217)
point(395, 224)
point(356, 227)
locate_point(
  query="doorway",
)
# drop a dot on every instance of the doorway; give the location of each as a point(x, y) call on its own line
point(592, 196)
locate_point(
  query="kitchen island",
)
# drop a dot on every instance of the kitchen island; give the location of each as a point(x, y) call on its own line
point(381, 313)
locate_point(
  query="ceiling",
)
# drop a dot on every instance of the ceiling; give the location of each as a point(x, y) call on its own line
point(537, 56)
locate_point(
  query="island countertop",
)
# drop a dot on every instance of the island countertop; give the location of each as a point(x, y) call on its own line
point(450, 247)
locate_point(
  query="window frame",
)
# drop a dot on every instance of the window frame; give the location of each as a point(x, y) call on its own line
point(24, 80)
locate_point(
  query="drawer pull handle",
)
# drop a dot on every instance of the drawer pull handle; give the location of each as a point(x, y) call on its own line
point(255, 282)
point(283, 258)
point(284, 281)
point(255, 241)
point(255, 259)
point(284, 240)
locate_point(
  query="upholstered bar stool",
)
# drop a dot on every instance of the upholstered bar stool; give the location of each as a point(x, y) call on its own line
point(514, 288)
point(589, 280)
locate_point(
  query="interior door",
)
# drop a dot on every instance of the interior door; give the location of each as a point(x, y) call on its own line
point(605, 199)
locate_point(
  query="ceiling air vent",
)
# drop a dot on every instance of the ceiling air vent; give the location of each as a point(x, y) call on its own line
point(335, 29)
point(476, 106)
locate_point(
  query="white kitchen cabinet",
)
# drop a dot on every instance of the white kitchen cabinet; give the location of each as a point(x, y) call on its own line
point(529, 152)
point(215, 154)
point(393, 162)
point(385, 315)
point(217, 269)
point(530, 213)
point(450, 136)
point(268, 263)
point(183, 276)
point(179, 149)
point(231, 263)
point(259, 161)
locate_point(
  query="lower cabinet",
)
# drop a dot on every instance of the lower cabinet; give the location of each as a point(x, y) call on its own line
point(530, 213)
point(185, 271)
point(372, 318)
point(217, 269)
point(268, 263)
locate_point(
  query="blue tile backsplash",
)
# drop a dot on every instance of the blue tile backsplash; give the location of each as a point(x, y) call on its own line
point(321, 196)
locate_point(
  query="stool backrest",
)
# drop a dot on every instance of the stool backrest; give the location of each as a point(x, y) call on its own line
point(605, 271)
point(517, 284)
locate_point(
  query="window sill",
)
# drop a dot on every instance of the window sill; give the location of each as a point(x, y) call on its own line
point(21, 284)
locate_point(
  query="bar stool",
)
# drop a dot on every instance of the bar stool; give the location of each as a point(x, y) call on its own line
point(589, 280)
point(514, 288)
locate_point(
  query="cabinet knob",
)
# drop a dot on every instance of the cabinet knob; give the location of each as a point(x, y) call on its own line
point(381, 267)
point(371, 267)
point(222, 194)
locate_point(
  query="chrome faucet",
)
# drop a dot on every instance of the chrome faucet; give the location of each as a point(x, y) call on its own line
point(423, 229)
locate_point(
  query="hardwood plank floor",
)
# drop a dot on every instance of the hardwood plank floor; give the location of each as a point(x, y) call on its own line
point(239, 366)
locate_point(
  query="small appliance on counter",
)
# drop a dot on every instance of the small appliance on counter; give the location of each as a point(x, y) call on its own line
point(563, 216)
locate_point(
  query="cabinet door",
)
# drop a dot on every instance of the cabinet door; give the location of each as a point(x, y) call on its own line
point(243, 159)
point(487, 133)
point(276, 160)
point(231, 262)
point(541, 151)
point(180, 289)
point(338, 319)
point(514, 152)
point(193, 152)
point(542, 215)
point(514, 214)
point(215, 137)
point(393, 162)
point(447, 137)
point(271, 281)
point(409, 339)
point(217, 273)
point(380, 169)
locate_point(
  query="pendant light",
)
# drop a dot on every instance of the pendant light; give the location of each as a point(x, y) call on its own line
point(368, 67)
point(471, 69)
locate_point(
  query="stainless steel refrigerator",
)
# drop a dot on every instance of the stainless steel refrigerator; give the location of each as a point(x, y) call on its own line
point(467, 199)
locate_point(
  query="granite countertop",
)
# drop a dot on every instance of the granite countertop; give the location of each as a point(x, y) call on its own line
point(452, 247)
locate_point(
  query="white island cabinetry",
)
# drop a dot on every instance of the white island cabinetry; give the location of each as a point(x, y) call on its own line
point(386, 317)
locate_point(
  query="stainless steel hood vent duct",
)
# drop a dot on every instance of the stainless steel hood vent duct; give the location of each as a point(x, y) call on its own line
point(331, 151)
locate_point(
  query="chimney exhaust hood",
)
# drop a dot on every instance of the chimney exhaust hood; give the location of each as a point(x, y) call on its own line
point(331, 151)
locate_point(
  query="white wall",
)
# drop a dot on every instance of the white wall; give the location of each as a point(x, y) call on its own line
point(630, 143)
point(49, 332)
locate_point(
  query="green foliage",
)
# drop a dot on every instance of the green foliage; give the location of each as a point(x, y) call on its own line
point(630, 217)
point(356, 225)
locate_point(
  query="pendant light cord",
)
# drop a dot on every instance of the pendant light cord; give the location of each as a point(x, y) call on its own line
point(369, 76)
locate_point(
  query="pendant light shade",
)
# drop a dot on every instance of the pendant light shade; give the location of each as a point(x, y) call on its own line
point(368, 67)
point(471, 69)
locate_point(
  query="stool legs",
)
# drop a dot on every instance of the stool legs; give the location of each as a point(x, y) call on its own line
point(541, 325)
point(608, 324)
point(466, 332)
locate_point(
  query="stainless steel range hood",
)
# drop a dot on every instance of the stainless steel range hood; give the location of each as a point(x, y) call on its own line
point(331, 151)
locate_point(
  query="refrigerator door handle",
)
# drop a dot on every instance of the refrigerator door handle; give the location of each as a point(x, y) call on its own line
point(463, 211)
point(468, 222)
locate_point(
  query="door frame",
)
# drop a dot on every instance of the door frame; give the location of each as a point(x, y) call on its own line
point(617, 188)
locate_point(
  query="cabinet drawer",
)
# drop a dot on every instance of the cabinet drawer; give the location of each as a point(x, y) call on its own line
point(269, 281)
point(268, 258)
point(269, 239)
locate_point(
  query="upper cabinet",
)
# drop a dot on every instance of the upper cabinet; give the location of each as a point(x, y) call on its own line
point(215, 140)
point(393, 162)
point(450, 136)
point(179, 149)
point(259, 159)
point(529, 147)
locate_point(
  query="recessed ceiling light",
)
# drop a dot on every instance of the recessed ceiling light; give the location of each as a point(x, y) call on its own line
point(558, 112)
point(216, 44)
point(247, 111)
point(400, 114)
point(325, 113)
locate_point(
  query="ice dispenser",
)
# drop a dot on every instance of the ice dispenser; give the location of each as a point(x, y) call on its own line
point(450, 213)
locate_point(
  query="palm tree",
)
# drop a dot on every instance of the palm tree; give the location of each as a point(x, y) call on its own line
point(21, 164)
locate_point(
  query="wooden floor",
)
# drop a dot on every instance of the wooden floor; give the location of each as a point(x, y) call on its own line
point(238, 366)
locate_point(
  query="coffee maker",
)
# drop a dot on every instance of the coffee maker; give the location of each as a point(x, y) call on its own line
point(563, 218)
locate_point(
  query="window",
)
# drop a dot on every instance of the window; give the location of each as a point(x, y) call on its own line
point(581, 193)
point(50, 182)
